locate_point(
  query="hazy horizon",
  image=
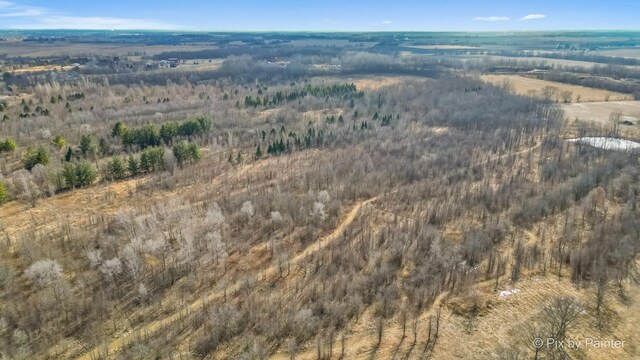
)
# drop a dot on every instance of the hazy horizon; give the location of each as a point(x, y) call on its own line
point(252, 31)
point(332, 15)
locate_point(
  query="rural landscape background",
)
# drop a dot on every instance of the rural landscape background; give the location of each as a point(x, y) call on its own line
point(319, 195)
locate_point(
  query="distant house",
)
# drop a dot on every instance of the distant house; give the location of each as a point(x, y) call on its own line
point(170, 62)
point(173, 62)
point(151, 65)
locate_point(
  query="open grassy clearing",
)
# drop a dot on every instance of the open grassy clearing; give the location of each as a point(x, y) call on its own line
point(633, 53)
point(332, 42)
point(193, 65)
point(444, 47)
point(374, 82)
point(42, 68)
point(524, 60)
point(528, 86)
point(599, 114)
point(13, 48)
point(500, 322)
point(548, 61)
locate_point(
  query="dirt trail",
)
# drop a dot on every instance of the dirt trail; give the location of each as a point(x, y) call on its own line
point(127, 339)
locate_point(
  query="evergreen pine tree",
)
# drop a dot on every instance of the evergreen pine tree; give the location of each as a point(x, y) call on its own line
point(104, 147)
point(133, 166)
point(69, 155)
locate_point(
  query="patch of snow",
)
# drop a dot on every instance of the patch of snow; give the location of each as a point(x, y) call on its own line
point(505, 293)
point(607, 143)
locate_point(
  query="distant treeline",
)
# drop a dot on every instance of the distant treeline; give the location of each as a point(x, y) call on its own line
point(571, 55)
point(594, 82)
point(258, 52)
point(250, 69)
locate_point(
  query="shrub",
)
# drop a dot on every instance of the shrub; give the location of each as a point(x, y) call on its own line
point(185, 151)
point(168, 131)
point(152, 159)
point(33, 157)
point(88, 145)
point(7, 145)
point(79, 175)
point(144, 137)
point(133, 166)
point(59, 141)
point(69, 175)
point(119, 129)
point(116, 169)
point(3, 193)
point(86, 174)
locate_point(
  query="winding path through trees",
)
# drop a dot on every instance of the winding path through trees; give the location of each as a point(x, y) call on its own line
point(130, 338)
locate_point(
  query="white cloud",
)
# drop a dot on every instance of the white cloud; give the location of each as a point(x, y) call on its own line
point(11, 9)
point(491, 18)
point(93, 22)
point(19, 16)
point(381, 23)
point(23, 13)
point(533, 17)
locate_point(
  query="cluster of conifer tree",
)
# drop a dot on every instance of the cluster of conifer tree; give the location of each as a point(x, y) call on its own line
point(348, 91)
point(150, 135)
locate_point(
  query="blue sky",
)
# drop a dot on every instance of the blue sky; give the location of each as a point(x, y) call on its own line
point(339, 15)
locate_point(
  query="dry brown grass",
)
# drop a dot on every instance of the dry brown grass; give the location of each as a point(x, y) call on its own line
point(74, 208)
point(527, 86)
point(497, 325)
point(68, 49)
point(199, 65)
point(599, 112)
point(372, 82)
point(43, 68)
point(443, 47)
point(628, 53)
point(548, 61)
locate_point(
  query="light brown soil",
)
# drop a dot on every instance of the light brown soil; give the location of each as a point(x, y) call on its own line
point(372, 82)
point(599, 112)
point(527, 86)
